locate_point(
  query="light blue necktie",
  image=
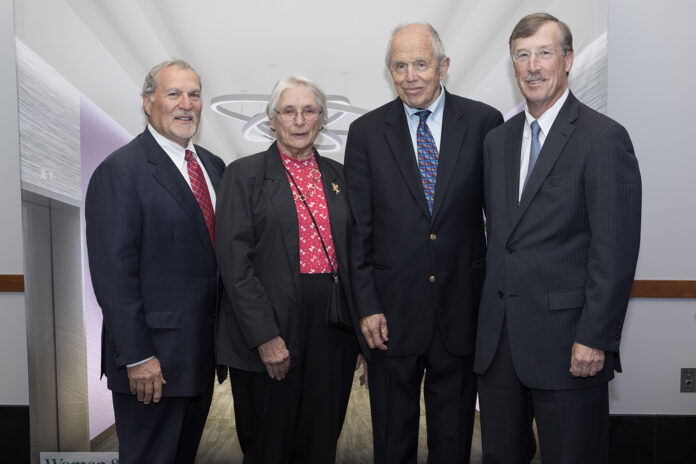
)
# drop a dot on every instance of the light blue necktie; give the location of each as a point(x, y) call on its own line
point(534, 151)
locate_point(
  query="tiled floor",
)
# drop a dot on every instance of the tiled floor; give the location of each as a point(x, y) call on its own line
point(219, 444)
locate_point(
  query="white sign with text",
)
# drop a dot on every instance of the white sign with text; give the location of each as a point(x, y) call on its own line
point(78, 458)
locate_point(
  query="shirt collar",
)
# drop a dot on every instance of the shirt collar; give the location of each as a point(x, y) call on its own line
point(175, 151)
point(546, 120)
point(290, 161)
point(436, 109)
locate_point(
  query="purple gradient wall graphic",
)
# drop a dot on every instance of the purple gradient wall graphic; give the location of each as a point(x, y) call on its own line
point(99, 136)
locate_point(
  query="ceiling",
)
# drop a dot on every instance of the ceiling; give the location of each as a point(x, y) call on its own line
point(244, 47)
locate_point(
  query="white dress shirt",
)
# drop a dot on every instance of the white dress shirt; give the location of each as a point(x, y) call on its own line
point(434, 121)
point(545, 122)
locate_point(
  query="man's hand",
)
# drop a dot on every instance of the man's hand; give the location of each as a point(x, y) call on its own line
point(585, 361)
point(146, 381)
point(374, 328)
point(363, 378)
point(276, 357)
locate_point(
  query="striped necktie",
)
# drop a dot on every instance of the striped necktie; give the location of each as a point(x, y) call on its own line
point(200, 191)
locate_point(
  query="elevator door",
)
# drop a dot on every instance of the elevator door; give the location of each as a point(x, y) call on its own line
point(58, 410)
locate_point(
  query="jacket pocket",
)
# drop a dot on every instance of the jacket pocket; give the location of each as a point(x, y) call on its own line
point(558, 181)
point(566, 299)
point(163, 319)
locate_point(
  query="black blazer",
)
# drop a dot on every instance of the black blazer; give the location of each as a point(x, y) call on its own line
point(153, 266)
point(257, 245)
point(561, 262)
point(416, 269)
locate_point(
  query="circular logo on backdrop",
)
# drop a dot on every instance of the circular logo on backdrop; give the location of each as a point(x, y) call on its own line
point(257, 127)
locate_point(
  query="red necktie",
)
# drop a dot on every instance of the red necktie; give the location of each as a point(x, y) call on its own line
point(200, 191)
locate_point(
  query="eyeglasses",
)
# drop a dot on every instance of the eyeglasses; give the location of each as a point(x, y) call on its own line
point(419, 67)
point(544, 54)
point(289, 114)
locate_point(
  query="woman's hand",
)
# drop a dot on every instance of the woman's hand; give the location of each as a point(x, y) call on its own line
point(363, 377)
point(276, 357)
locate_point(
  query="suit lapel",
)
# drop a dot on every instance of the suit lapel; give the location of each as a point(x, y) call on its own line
point(213, 174)
point(513, 150)
point(453, 132)
point(399, 141)
point(555, 142)
point(284, 206)
point(169, 176)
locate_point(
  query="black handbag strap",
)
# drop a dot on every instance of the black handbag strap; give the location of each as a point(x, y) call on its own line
point(316, 227)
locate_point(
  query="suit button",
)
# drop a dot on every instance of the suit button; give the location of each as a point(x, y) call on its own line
point(431, 278)
point(433, 237)
point(500, 294)
point(509, 250)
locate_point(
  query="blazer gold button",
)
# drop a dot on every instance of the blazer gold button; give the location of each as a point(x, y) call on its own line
point(431, 278)
point(433, 237)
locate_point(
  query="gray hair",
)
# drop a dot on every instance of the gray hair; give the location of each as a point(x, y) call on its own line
point(150, 83)
point(438, 47)
point(290, 83)
point(530, 24)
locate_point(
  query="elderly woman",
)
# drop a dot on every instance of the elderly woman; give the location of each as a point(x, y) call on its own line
point(281, 230)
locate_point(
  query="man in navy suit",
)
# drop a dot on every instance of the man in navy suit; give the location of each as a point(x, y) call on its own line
point(563, 202)
point(150, 218)
point(413, 169)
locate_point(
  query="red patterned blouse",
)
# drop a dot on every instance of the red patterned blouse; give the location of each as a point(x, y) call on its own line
point(308, 178)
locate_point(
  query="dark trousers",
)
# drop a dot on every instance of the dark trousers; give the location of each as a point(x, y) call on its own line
point(166, 432)
point(449, 393)
point(299, 419)
point(573, 425)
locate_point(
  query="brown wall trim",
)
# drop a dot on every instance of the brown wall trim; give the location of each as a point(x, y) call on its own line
point(641, 288)
point(664, 289)
point(108, 434)
point(11, 283)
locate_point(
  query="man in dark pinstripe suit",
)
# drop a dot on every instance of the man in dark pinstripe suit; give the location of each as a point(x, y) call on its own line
point(563, 198)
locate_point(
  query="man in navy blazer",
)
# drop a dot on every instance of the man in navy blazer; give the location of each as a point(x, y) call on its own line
point(149, 211)
point(563, 202)
point(418, 260)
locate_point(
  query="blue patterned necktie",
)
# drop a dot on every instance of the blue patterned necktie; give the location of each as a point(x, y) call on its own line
point(427, 158)
point(533, 151)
